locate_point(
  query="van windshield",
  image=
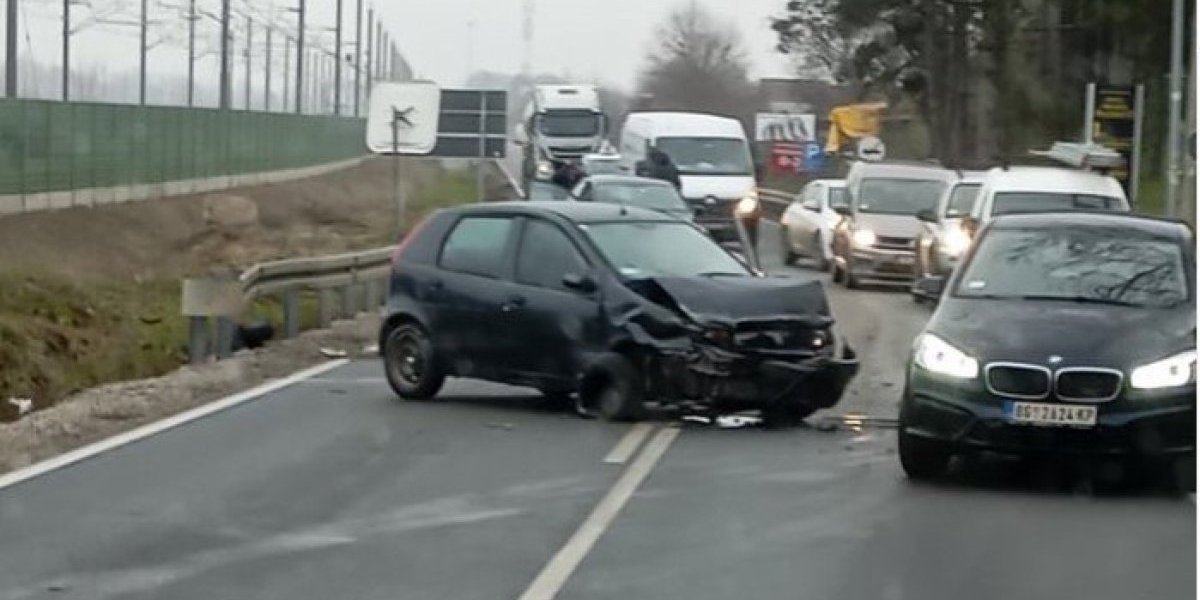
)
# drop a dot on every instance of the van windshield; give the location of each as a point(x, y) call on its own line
point(708, 156)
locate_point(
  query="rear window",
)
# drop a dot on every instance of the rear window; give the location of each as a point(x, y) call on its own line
point(476, 245)
point(1006, 203)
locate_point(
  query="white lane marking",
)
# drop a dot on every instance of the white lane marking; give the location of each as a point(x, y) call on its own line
point(156, 427)
point(629, 444)
point(556, 572)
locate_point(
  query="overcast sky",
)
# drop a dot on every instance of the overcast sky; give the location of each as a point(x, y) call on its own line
point(444, 40)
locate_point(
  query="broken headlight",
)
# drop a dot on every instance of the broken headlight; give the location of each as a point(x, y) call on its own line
point(719, 336)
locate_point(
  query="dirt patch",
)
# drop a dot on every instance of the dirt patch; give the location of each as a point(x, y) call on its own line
point(97, 413)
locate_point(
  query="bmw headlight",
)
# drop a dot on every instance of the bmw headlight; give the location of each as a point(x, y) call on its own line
point(1172, 371)
point(937, 356)
point(956, 242)
point(545, 170)
point(863, 238)
point(747, 206)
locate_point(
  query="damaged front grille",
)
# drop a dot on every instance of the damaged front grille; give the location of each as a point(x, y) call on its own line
point(791, 338)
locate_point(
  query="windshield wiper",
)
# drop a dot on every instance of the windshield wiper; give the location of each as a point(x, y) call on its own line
point(1081, 299)
point(720, 274)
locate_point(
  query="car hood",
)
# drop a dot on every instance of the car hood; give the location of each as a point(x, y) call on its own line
point(736, 300)
point(903, 226)
point(722, 187)
point(1100, 335)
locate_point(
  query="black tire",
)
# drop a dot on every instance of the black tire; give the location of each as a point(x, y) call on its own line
point(922, 459)
point(556, 398)
point(1182, 473)
point(835, 273)
point(409, 362)
point(790, 415)
point(617, 394)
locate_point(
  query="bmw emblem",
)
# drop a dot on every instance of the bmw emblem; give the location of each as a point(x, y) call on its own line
point(1055, 359)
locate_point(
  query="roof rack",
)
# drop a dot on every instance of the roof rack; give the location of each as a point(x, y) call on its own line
point(1082, 155)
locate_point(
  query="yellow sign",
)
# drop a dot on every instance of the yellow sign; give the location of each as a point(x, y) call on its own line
point(854, 121)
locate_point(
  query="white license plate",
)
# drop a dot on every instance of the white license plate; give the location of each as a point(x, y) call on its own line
point(1037, 413)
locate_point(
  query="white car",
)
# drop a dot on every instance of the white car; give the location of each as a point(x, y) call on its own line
point(809, 220)
point(1045, 189)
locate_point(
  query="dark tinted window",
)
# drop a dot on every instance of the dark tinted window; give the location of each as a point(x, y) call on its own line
point(476, 245)
point(545, 255)
point(1024, 202)
point(1078, 263)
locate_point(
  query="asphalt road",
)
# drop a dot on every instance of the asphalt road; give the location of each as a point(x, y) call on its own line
point(331, 489)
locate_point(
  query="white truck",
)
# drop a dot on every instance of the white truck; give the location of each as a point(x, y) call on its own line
point(561, 123)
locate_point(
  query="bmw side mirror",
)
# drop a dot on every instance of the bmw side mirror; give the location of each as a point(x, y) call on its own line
point(927, 215)
point(579, 283)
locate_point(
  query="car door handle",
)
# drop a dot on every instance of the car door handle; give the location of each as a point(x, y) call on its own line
point(512, 303)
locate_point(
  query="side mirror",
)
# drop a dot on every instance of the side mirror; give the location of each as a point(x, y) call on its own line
point(579, 283)
point(842, 210)
point(927, 215)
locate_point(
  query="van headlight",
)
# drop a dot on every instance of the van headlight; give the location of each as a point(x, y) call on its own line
point(863, 238)
point(748, 205)
point(937, 356)
point(1169, 372)
point(545, 170)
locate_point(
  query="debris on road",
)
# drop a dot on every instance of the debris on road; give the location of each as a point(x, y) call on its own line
point(370, 350)
point(16, 408)
point(333, 353)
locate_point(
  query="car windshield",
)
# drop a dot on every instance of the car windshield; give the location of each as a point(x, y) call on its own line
point(838, 196)
point(639, 250)
point(707, 155)
point(569, 123)
point(643, 195)
point(1026, 202)
point(962, 199)
point(898, 196)
point(1077, 263)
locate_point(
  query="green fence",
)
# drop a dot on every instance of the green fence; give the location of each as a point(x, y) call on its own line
point(48, 146)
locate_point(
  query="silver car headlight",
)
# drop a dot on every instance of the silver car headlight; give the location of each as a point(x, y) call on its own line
point(1172, 371)
point(748, 205)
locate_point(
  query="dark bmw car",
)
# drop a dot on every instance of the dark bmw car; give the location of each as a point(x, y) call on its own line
point(1060, 333)
point(619, 305)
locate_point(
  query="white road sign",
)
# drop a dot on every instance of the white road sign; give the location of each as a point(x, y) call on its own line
point(785, 127)
point(403, 118)
point(871, 148)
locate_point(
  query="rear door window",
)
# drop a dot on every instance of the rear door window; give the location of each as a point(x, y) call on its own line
point(476, 245)
point(546, 255)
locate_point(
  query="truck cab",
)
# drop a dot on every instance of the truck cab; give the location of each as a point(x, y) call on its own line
point(561, 124)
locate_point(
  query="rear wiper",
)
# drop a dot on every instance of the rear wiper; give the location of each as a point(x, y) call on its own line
point(1081, 299)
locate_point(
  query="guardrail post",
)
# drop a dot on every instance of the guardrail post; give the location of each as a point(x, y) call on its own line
point(370, 294)
point(197, 340)
point(291, 314)
point(226, 332)
point(325, 307)
point(349, 309)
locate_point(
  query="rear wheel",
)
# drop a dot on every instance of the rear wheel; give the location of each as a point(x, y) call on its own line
point(410, 365)
point(922, 459)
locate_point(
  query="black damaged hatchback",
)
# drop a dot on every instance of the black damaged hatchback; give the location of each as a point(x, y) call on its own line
point(622, 307)
point(1061, 334)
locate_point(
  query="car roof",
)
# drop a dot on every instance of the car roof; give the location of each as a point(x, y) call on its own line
point(1154, 226)
point(617, 178)
point(901, 170)
point(975, 177)
point(579, 212)
point(667, 124)
point(833, 183)
point(1051, 179)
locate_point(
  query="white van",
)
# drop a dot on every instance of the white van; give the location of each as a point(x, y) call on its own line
point(712, 154)
point(1044, 189)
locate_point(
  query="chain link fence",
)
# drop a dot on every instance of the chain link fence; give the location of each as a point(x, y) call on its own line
point(48, 147)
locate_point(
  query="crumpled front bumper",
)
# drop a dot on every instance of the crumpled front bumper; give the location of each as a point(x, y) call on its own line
point(732, 381)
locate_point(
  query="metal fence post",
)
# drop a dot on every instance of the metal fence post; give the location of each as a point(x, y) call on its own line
point(198, 334)
point(349, 308)
point(291, 314)
point(325, 307)
point(226, 331)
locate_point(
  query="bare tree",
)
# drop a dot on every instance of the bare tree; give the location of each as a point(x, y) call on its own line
point(696, 64)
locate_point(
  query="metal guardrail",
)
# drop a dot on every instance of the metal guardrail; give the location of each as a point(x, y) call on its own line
point(346, 284)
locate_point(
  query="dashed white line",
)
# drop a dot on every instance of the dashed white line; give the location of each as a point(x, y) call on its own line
point(629, 444)
point(150, 429)
point(556, 572)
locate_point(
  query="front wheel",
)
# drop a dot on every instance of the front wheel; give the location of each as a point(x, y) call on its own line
point(922, 459)
point(410, 365)
point(618, 393)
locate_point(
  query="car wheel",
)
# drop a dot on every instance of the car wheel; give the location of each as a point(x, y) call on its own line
point(922, 459)
point(1183, 474)
point(410, 365)
point(616, 389)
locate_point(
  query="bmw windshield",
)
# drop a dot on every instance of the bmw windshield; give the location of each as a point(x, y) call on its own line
point(639, 250)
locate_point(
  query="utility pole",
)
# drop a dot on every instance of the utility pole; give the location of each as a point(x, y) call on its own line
point(267, 76)
point(226, 97)
point(300, 59)
point(66, 51)
point(358, 33)
point(10, 49)
point(287, 69)
point(1174, 113)
point(249, 46)
point(337, 62)
point(191, 84)
point(378, 49)
point(370, 49)
point(142, 65)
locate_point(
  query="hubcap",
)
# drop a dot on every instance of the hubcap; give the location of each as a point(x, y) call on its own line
point(407, 361)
